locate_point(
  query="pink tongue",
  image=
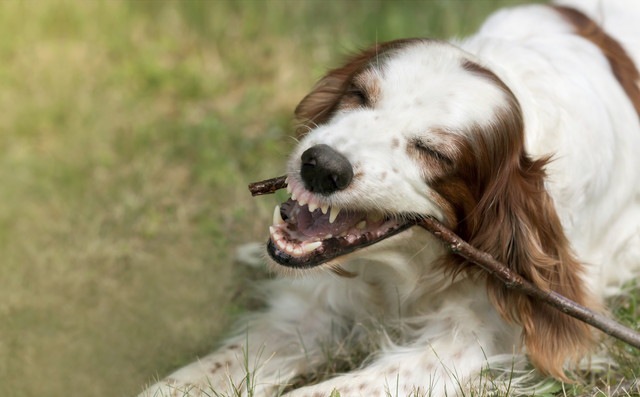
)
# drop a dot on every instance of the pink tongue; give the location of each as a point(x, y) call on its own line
point(316, 224)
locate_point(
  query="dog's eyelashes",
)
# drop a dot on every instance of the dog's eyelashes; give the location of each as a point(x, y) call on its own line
point(356, 95)
point(431, 152)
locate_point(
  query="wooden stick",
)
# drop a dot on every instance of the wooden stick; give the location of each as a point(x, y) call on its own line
point(516, 282)
point(267, 186)
point(511, 280)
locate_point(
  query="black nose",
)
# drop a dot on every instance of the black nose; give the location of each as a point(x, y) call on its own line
point(324, 170)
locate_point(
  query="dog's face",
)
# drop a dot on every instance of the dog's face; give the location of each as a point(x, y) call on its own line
point(417, 127)
point(388, 142)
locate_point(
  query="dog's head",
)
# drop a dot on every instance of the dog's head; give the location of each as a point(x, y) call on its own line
point(419, 127)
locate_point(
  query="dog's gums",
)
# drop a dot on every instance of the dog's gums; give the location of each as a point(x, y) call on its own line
point(306, 234)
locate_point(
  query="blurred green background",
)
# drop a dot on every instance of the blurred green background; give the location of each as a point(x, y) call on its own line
point(128, 134)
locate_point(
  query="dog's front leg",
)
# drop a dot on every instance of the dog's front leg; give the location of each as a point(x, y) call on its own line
point(412, 372)
point(268, 350)
point(447, 358)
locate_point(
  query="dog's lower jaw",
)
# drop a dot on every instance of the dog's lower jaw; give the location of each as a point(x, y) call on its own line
point(401, 260)
point(330, 249)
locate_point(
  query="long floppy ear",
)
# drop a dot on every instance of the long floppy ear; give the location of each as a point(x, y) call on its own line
point(515, 221)
point(324, 99)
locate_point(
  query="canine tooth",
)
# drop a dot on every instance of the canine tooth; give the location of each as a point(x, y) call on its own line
point(309, 247)
point(312, 206)
point(362, 225)
point(324, 208)
point(277, 218)
point(293, 195)
point(275, 234)
point(303, 199)
point(334, 214)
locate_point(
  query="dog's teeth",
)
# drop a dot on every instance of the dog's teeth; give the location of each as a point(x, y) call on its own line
point(312, 206)
point(293, 195)
point(289, 247)
point(303, 199)
point(309, 247)
point(362, 225)
point(277, 218)
point(334, 214)
point(275, 234)
point(324, 208)
point(375, 217)
point(298, 251)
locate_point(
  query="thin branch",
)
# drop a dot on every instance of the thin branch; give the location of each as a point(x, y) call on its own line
point(498, 270)
point(516, 282)
point(267, 186)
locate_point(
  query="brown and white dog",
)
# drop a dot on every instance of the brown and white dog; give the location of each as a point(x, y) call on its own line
point(524, 139)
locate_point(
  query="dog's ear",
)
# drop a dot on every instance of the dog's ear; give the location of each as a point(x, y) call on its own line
point(515, 220)
point(322, 102)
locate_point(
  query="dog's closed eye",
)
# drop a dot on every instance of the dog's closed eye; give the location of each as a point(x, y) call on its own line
point(424, 149)
point(355, 97)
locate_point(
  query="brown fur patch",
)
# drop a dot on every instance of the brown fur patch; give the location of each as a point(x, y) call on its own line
point(363, 91)
point(439, 163)
point(497, 193)
point(215, 368)
point(621, 64)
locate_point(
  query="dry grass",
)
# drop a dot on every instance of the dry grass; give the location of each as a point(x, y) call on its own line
point(129, 131)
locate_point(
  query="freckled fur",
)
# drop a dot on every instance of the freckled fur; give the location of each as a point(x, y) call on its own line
point(522, 138)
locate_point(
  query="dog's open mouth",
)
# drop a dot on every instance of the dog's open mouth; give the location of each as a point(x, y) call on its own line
point(304, 235)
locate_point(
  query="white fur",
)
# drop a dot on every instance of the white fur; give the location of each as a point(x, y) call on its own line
point(429, 334)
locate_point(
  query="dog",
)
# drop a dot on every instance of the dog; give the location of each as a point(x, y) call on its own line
point(523, 139)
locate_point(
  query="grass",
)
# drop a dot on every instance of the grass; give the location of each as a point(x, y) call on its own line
point(129, 131)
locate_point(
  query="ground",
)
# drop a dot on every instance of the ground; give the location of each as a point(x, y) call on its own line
point(128, 134)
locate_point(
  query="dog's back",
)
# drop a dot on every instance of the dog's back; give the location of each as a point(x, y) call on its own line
point(617, 17)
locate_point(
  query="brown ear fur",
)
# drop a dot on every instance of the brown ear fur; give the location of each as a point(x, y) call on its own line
point(321, 103)
point(514, 220)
